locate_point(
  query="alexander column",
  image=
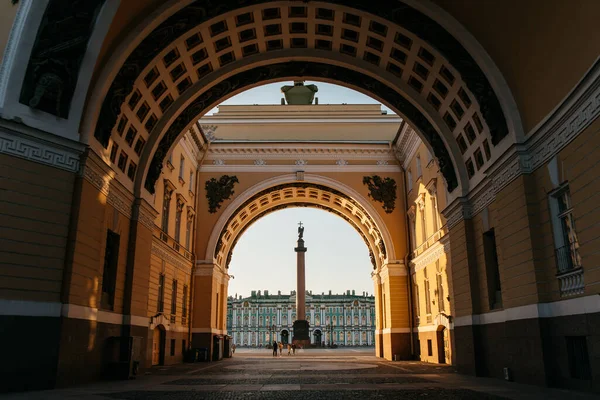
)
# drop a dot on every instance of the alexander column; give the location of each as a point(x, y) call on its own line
point(301, 327)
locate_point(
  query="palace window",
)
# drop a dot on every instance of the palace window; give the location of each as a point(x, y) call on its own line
point(423, 220)
point(188, 231)
point(184, 305)
point(166, 210)
point(427, 296)
point(161, 293)
point(565, 236)
point(109, 274)
point(181, 167)
point(409, 180)
point(178, 221)
point(440, 286)
point(492, 270)
point(174, 298)
point(419, 170)
point(191, 184)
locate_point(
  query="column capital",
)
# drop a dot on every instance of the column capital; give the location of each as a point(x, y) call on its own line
point(392, 269)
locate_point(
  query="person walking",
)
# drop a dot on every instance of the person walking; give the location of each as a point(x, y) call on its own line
point(280, 348)
point(289, 347)
point(294, 348)
point(274, 348)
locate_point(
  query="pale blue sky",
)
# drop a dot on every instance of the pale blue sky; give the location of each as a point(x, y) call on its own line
point(337, 258)
point(327, 94)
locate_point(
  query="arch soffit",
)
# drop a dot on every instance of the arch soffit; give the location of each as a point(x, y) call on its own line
point(355, 209)
point(399, 13)
point(203, 97)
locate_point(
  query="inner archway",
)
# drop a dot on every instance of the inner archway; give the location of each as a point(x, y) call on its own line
point(345, 200)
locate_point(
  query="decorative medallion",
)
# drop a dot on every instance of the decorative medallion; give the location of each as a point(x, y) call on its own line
point(341, 162)
point(382, 162)
point(301, 162)
point(382, 190)
point(218, 162)
point(260, 162)
point(218, 191)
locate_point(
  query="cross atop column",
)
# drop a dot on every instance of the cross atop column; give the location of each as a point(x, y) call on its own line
point(300, 224)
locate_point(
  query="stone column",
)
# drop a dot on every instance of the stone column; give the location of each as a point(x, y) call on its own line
point(300, 281)
point(301, 326)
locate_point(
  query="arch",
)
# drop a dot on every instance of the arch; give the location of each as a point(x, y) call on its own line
point(207, 93)
point(355, 209)
point(415, 21)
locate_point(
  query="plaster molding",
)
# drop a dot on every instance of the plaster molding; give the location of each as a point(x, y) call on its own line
point(250, 151)
point(431, 255)
point(169, 255)
point(575, 113)
point(407, 145)
point(145, 214)
point(102, 177)
point(44, 148)
point(292, 168)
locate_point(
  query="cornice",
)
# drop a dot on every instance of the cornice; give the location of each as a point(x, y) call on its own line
point(577, 111)
point(294, 151)
point(432, 254)
point(18, 140)
point(366, 168)
point(407, 145)
point(162, 251)
point(102, 177)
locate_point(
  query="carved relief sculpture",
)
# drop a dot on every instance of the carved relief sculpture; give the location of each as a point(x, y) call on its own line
point(382, 190)
point(218, 191)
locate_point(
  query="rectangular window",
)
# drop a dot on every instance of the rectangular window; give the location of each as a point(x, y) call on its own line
point(579, 361)
point(565, 235)
point(184, 302)
point(409, 180)
point(181, 167)
point(114, 150)
point(492, 270)
point(172, 347)
point(188, 233)
point(166, 210)
point(109, 274)
point(122, 161)
point(191, 184)
point(427, 295)
point(161, 294)
point(417, 303)
point(174, 298)
point(440, 289)
point(419, 170)
point(429, 348)
point(178, 221)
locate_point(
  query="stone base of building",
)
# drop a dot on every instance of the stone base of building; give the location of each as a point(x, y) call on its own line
point(538, 351)
point(396, 346)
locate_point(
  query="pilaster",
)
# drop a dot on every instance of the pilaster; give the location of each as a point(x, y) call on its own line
point(209, 308)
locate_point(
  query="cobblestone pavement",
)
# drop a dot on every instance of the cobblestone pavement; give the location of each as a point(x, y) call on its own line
point(343, 374)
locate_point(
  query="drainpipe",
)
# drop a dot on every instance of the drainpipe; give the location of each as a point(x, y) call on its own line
point(205, 148)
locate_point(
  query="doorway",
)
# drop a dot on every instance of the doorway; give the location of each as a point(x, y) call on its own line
point(318, 337)
point(443, 342)
point(159, 339)
point(285, 336)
